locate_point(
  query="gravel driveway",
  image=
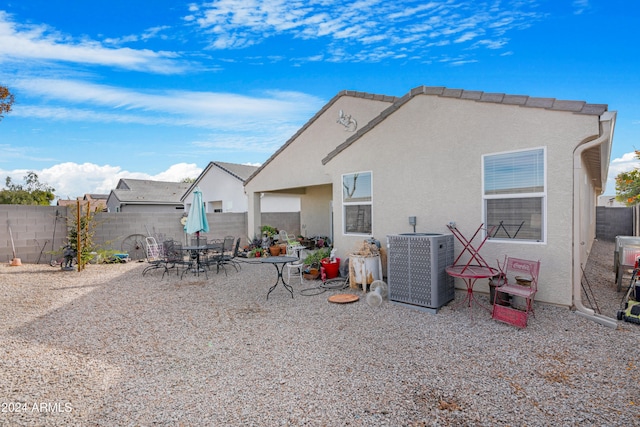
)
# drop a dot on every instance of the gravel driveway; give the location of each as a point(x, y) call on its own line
point(108, 347)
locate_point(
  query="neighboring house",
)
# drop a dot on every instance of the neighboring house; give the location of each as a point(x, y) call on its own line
point(610, 201)
point(97, 202)
point(143, 195)
point(445, 155)
point(222, 186)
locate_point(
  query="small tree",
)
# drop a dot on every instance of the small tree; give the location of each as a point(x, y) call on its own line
point(6, 101)
point(628, 185)
point(85, 238)
point(33, 192)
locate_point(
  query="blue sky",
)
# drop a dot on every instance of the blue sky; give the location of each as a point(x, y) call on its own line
point(106, 90)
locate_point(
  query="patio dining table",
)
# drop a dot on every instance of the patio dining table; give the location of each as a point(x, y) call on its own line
point(279, 262)
point(194, 253)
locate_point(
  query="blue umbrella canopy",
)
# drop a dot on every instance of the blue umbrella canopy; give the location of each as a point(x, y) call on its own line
point(197, 219)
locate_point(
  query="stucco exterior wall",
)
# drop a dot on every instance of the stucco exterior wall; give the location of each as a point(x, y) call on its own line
point(218, 186)
point(279, 203)
point(315, 212)
point(299, 164)
point(220, 190)
point(426, 161)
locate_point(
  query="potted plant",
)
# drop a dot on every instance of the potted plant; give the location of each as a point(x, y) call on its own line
point(269, 231)
point(331, 265)
point(256, 253)
point(312, 263)
point(274, 250)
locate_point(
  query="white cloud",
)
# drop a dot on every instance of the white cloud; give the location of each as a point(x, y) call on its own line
point(469, 35)
point(39, 42)
point(150, 33)
point(491, 44)
point(72, 180)
point(178, 172)
point(626, 163)
point(359, 28)
point(580, 6)
point(260, 142)
point(106, 104)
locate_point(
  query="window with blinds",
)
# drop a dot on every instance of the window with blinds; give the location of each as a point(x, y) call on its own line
point(514, 194)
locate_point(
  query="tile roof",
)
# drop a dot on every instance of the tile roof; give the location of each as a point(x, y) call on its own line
point(241, 172)
point(93, 196)
point(580, 107)
point(144, 191)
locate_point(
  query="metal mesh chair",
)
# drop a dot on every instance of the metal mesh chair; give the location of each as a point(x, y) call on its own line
point(230, 258)
point(175, 258)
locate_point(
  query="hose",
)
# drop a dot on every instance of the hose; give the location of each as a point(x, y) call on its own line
point(329, 284)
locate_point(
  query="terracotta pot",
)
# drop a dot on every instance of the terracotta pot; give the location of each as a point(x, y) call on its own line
point(274, 250)
point(313, 274)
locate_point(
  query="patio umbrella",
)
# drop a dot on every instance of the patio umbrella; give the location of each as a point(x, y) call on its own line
point(197, 219)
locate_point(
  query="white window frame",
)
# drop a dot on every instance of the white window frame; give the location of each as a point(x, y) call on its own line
point(542, 195)
point(345, 204)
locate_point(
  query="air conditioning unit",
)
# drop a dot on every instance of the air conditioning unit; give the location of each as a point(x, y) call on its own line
point(416, 273)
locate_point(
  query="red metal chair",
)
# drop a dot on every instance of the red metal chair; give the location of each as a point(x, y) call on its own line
point(520, 280)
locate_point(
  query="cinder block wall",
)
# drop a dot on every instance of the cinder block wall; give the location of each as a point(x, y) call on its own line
point(33, 227)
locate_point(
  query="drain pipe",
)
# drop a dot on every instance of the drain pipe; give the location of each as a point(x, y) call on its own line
point(606, 125)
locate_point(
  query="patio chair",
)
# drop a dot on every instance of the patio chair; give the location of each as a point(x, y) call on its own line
point(291, 240)
point(155, 255)
point(175, 258)
point(295, 267)
point(282, 236)
point(227, 251)
point(217, 258)
point(215, 249)
point(520, 280)
point(230, 258)
point(292, 243)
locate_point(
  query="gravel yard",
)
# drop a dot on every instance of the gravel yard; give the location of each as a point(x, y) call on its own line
point(108, 347)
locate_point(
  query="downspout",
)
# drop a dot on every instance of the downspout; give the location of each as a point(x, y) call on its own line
point(605, 134)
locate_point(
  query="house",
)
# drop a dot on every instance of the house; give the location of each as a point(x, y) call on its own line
point(222, 186)
point(610, 201)
point(97, 202)
point(535, 165)
point(143, 195)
